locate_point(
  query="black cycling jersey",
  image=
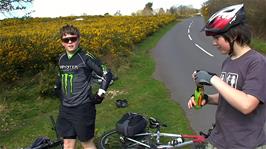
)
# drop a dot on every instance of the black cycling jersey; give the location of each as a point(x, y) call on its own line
point(75, 76)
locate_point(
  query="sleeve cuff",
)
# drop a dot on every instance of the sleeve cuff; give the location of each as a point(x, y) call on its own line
point(101, 92)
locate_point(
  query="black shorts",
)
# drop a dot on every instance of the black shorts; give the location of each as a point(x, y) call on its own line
point(77, 122)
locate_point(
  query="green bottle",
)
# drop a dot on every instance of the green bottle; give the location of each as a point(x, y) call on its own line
point(198, 96)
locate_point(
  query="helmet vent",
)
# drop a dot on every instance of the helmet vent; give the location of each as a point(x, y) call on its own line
point(230, 10)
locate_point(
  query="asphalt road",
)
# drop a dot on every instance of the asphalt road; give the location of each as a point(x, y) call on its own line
point(181, 51)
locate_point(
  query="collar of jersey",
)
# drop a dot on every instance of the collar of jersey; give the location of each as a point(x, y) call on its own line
point(69, 55)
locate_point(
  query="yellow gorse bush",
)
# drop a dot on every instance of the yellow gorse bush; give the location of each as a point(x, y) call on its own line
point(29, 45)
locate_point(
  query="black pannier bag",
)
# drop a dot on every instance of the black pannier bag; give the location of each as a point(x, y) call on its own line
point(40, 143)
point(131, 124)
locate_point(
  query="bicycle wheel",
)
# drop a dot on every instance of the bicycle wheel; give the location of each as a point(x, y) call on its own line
point(113, 140)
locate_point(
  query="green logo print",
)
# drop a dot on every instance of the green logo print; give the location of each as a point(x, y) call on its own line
point(67, 82)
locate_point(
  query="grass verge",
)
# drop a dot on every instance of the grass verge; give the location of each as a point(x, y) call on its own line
point(259, 45)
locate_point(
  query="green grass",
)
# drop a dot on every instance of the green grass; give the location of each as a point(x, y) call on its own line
point(24, 115)
point(259, 45)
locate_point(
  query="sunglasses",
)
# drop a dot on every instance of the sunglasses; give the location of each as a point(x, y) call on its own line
point(72, 39)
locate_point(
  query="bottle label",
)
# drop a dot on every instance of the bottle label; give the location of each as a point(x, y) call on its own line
point(198, 96)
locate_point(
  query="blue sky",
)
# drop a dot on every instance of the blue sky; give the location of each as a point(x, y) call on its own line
point(56, 8)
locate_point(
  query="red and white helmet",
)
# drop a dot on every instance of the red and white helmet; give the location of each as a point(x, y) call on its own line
point(224, 19)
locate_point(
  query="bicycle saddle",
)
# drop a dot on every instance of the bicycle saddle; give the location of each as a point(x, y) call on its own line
point(121, 103)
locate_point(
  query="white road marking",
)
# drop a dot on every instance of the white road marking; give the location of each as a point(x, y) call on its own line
point(190, 24)
point(203, 50)
point(189, 37)
point(195, 43)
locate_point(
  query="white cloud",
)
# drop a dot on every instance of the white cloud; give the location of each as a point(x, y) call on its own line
point(56, 8)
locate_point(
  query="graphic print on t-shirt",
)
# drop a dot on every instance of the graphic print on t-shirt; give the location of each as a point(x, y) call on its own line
point(230, 78)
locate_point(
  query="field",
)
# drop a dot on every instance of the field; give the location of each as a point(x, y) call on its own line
point(27, 103)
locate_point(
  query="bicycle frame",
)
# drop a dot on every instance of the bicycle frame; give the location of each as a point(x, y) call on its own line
point(150, 138)
point(158, 135)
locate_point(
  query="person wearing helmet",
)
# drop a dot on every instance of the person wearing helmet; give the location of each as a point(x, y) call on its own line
point(241, 97)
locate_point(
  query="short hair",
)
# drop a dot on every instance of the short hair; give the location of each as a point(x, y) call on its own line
point(69, 29)
point(240, 33)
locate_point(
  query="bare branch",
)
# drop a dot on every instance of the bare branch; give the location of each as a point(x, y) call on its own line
point(10, 5)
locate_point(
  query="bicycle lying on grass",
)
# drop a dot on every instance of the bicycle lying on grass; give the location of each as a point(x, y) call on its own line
point(151, 137)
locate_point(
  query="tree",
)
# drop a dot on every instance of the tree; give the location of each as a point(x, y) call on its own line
point(149, 6)
point(148, 11)
point(107, 14)
point(161, 11)
point(118, 13)
point(7, 6)
point(172, 10)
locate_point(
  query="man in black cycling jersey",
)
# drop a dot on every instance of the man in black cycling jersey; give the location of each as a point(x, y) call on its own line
point(77, 112)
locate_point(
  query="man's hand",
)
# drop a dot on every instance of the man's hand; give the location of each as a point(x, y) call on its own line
point(203, 77)
point(98, 99)
point(191, 102)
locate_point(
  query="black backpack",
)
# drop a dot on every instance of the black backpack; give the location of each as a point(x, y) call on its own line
point(131, 124)
point(40, 143)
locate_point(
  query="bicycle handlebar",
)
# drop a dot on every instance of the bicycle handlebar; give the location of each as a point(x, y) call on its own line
point(154, 123)
point(99, 79)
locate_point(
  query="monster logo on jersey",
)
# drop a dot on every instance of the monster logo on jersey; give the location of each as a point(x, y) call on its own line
point(67, 77)
point(69, 67)
point(67, 82)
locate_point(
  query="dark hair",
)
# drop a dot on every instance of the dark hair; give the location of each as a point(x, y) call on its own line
point(240, 34)
point(69, 29)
